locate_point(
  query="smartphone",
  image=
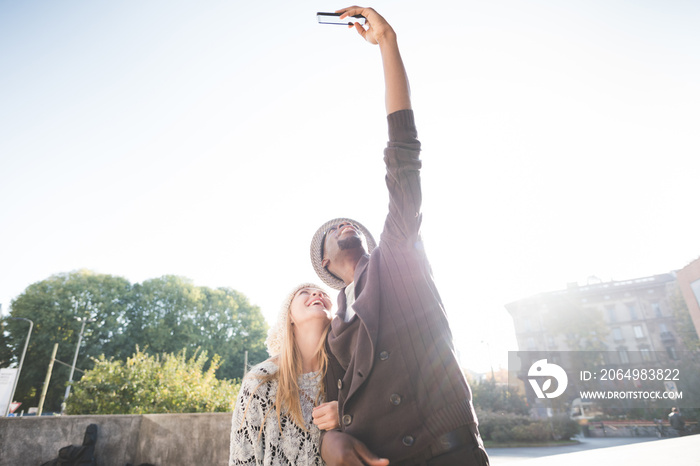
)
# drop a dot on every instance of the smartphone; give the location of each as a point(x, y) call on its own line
point(334, 18)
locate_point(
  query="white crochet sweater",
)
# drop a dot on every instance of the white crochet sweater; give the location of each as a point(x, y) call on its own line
point(289, 445)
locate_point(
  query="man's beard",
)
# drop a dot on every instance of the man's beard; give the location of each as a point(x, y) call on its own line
point(350, 242)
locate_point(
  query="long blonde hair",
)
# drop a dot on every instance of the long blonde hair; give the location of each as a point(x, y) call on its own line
point(288, 361)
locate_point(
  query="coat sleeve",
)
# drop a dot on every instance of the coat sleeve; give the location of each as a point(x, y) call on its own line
point(403, 180)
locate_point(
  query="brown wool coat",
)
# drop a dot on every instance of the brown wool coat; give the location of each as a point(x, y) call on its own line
point(394, 373)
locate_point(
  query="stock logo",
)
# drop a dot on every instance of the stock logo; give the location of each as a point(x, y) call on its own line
point(542, 369)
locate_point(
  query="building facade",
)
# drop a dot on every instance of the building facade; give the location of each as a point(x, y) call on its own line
point(689, 283)
point(631, 324)
point(636, 316)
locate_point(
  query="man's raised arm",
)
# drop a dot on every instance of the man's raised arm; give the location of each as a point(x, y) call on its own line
point(398, 94)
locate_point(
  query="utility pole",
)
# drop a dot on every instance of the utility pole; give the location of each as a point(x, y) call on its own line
point(75, 360)
point(488, 346)
point(46, 381)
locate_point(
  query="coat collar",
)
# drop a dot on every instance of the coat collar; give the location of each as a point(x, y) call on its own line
point(366, 308)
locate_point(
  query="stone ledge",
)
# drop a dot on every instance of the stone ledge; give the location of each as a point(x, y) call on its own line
point(160, 439)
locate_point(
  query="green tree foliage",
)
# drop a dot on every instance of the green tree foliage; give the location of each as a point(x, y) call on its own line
point(499, 398)
point(684, 323)
point(509, 427)
point(164, 315)
point(170, 313)
point(582, 329)
point(6, 356)
point(503, 415)
point(147, 384)
point(54, 304)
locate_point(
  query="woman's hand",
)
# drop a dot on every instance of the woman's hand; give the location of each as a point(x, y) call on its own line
point(377, 29)
point(326, 416)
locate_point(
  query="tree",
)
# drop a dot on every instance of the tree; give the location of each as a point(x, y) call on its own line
point(499, 398)
point(582, 329)
point(230, 326)
point(6, 356)
point(147, 384)
point(684, 323)
point(170, 313)
point(54, 305)
point(162, 315)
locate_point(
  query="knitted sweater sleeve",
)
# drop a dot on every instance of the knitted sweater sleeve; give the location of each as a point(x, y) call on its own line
point(246, 443)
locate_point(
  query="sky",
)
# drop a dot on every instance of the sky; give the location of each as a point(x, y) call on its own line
point(210, 139)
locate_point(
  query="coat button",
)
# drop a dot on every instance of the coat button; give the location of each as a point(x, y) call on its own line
point(340, 384)
point(395, 399)
point(347, 420)
point(408, 440)
point(384, 355)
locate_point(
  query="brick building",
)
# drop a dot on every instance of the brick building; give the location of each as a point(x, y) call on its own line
point(689, 283)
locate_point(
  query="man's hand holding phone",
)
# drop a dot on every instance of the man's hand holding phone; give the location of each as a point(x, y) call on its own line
point(374, 29)
point(334, 18)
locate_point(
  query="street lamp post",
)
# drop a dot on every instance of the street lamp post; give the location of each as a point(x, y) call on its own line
point(493, 376)
point(21, 361)
point(75, 360)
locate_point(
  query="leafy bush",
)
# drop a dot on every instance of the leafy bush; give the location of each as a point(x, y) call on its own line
point(501, 434)
point(504, 427)
point(534, 432)
point(490, 396)
point(564, 427)
point(492, 424)
point(147, 384)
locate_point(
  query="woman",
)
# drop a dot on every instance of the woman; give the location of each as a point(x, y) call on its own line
point(272, 421)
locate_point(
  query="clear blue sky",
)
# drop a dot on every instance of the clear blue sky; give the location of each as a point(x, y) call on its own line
point(210, 139)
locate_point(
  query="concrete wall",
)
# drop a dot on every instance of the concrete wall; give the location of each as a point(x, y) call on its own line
point(160, 439)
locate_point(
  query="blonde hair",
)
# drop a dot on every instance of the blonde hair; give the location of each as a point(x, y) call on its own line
point(288, 360)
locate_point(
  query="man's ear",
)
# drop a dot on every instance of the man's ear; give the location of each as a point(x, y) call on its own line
point(324, 262)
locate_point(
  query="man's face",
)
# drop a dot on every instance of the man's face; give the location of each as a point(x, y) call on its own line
point(341, 237)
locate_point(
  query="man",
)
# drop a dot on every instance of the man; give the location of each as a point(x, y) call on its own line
point(401, 393)
point(675, 418)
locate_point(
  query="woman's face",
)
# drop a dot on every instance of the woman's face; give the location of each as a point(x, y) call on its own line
point(310, 304)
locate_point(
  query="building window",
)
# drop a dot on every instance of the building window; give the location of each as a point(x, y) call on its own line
point(617, 334)
point(610, 310)
point(663, 328)
point(633, 311)
point(624, 357)
point(638, 331)
point(656, 307)
point(671, 350)
point(646, 354)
